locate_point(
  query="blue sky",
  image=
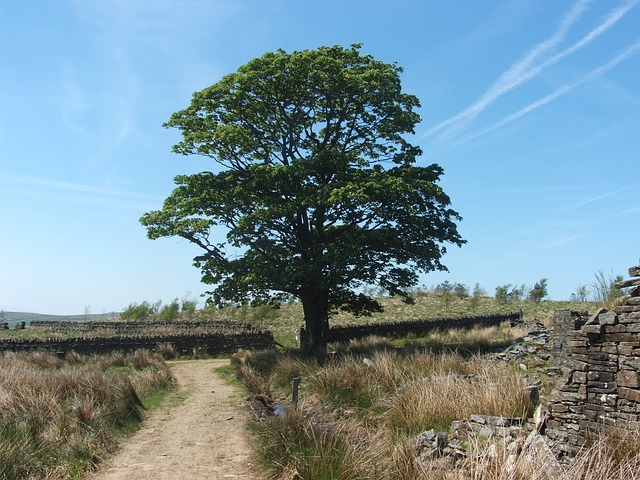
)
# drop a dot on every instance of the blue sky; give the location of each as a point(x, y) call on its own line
point(532, 107)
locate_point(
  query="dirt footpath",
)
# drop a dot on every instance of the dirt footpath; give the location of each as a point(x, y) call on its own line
point(201, 438)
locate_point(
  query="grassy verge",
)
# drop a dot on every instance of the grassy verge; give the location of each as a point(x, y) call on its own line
point(59, 417)
point(360, 413)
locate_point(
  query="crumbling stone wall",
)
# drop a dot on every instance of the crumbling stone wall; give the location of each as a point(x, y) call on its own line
point(601, 359)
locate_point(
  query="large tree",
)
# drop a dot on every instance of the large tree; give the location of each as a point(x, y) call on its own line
point(316, 186)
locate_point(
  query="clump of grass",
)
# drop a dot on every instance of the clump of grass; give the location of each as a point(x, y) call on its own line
point(254, 374)
point(291, 447)
point(167, 351)
point(346, 383)
point(435, 401)
point(287, 368)
point(59, 416)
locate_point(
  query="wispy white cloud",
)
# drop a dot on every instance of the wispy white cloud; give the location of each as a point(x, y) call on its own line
point(76, 192)
point(531, 65)
point(561, 241)
point(595, 198)
point(626, 54)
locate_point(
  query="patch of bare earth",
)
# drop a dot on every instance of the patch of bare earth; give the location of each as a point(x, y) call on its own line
point(204, 437)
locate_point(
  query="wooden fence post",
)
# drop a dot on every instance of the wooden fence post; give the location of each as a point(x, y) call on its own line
point(296, 389)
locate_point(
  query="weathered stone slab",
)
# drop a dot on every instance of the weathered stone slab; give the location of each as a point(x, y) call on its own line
point(629, 394)
point(600, 376)
point(607, 318)
point(627, 283)
point(623, 337)
point(619, 328)
point(630, 363)
point(633, 328)
point(630, 317)
point(579, 377)
point(628, 378)
point(592, 328)
point(628, 308)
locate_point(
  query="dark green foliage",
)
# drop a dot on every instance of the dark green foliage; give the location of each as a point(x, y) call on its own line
point(170, 312)
point(539, 291)
point(140, 311)
point(319, 195)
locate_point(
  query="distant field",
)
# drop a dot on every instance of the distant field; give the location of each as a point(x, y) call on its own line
point(16, 317)
point(284, 321)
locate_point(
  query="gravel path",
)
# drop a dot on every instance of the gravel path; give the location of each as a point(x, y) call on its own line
point(204, 437)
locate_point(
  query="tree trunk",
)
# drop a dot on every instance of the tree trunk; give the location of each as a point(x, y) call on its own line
point(315, 304)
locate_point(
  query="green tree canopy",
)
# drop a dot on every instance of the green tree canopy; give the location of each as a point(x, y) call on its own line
point(319, 195)
point(539, 291)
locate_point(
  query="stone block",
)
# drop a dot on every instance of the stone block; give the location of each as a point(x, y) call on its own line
point(577, 409)
point(629, 363)
point(575, 351)
point(553, 424)
point(556, 408)
point(630, 317)
point(618, 328)
point(592, 328)
point(626, 348)
point(579, 377)
point(607, 318)
point(580, 357)
point(598, 356)
point(568, 397)
point(622, 337)
point(629, 394)
point(577, 440)
point(600, 388)
point(577, 365)
point(600, 376)
point(611, 349)
point(627, 308)
point(628, 378)
point(601, 366)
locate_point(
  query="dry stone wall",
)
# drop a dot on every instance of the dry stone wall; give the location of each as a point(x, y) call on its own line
point(601, 358)
point(345, 333)
point(211, 343)
point(129, 327)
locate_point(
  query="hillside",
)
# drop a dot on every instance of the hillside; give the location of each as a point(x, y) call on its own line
point(16, 317)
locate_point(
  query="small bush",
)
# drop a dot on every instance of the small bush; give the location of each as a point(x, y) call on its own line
point(170, 312)
point(140, 311)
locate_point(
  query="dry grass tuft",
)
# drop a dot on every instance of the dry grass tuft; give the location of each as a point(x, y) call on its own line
point(59, 415)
